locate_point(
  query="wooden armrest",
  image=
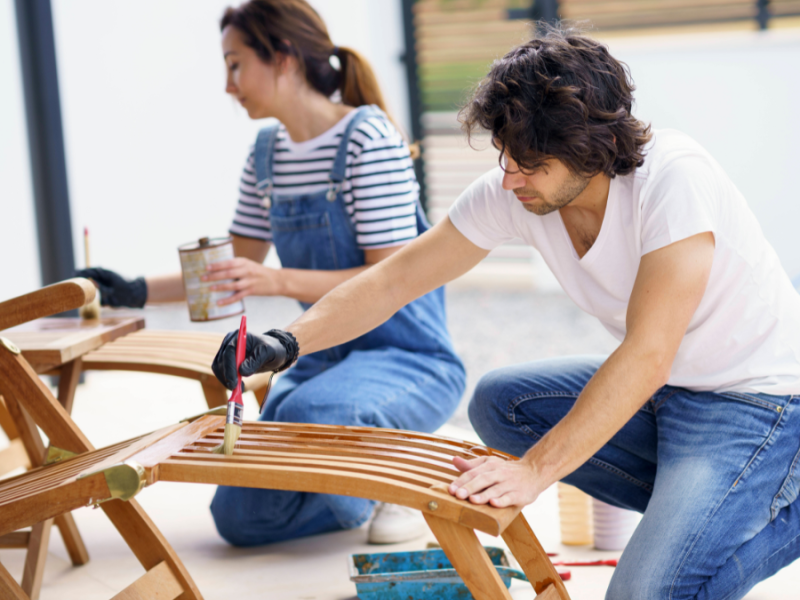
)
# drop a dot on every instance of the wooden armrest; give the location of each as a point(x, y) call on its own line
point(50, 300)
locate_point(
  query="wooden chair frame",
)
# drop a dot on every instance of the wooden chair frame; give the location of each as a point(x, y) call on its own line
point(401, 467)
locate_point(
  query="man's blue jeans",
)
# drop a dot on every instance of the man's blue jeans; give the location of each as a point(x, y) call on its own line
point(384, 387)
point(715, 474)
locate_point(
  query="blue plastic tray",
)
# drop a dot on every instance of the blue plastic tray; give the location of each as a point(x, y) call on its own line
point(421, 575)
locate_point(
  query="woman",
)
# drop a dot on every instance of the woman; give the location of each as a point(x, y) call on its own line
point(331, 185)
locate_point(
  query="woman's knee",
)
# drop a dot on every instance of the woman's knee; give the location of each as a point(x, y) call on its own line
point(229, 519)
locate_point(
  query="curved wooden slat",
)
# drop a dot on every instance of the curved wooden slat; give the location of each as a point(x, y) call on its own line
point(176, 353)
point(334, 460)
point(340, 482)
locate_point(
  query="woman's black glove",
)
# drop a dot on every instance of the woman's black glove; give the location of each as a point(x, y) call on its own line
point(114, 289)
point(274, 351)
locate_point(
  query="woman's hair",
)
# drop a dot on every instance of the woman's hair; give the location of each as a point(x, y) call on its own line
point(293, 28)
point(560, 96)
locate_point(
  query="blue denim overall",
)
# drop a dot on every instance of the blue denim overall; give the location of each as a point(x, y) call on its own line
point(404, 374)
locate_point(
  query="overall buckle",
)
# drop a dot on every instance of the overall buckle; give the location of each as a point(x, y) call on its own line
point(333, 191)
point(265, 191)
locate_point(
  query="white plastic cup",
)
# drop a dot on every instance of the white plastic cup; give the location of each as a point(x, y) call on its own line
point(575, 512)
point(613, 527)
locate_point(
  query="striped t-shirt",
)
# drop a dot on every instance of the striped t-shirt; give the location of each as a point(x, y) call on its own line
point(380, 190)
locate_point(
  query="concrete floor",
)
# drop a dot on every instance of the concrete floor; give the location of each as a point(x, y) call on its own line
point(113, 406)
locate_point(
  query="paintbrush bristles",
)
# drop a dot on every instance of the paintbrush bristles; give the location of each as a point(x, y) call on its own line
point(232, 433)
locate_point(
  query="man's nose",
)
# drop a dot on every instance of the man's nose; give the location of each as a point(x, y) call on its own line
point(512, 181)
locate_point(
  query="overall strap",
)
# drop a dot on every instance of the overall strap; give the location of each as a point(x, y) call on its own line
point(337, 173)
point(264, 158)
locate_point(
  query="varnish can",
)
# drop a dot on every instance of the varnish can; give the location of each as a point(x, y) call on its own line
point(202, 301)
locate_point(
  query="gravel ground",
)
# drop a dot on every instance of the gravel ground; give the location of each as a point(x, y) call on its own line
point(491, 328)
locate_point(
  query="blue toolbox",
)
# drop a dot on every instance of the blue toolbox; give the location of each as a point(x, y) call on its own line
point(420, 575)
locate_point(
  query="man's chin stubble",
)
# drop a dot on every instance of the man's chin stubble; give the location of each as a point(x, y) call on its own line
point(540, 210)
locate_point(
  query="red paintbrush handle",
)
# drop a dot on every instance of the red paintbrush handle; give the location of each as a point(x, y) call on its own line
point(241, 343)
point(241, 351)
point(611, 562)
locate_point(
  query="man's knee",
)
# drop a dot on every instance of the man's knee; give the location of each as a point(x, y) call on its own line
point(488, 407)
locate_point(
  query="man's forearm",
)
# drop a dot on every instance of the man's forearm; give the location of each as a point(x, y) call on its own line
point(309, 286)
point(352, 309)
point(629, 377)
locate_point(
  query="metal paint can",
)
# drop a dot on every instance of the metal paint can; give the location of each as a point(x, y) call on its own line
point(202, 301)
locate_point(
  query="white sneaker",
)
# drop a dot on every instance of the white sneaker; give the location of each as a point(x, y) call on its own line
point(393, 524)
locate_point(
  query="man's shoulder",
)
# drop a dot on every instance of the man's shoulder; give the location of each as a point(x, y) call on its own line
point(669, 147)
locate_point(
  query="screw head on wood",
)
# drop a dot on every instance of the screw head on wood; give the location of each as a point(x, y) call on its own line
point(433, 505)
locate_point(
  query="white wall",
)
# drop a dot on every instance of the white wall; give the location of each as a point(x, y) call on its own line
point(19, 255)
point(154, 146)
point(738, 94)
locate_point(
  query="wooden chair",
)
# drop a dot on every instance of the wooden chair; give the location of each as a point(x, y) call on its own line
point(400, 467)
point(31, 404)
point(61, 347)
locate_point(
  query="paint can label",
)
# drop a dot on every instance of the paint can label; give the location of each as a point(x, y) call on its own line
point(202, 301)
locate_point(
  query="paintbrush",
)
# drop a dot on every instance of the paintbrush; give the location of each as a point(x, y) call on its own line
point(91, 310)
point(233, 422)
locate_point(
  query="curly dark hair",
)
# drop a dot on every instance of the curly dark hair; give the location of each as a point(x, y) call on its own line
point(560, 96)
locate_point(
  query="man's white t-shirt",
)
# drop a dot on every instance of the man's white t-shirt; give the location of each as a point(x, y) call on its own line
point(745, 334)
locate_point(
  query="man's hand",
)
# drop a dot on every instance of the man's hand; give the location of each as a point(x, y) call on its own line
point(495, 481)
point(250, 279)
point(116, 290)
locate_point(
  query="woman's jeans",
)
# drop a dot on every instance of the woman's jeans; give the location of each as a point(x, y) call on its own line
point(384, 387)
point(715, 474)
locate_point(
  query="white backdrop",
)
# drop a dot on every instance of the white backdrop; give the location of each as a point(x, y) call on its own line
point(738, 94)
point(155, 147)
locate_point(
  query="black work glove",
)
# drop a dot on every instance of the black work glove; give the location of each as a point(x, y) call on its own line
point(114, 289)
point(274, 351)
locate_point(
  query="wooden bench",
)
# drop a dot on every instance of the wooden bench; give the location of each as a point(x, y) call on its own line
point(401, 467)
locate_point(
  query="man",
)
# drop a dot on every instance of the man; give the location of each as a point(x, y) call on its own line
point(693, 420)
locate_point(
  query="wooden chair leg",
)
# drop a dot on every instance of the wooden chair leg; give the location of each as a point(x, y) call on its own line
point(36, 558)
point(148, 545)
point(72, 539)
point(69, 377)
point(534, 560)
point(215, 393)
point(6, 422)
point(28, 433)
point(35, 450)
point(462, 547)
point(9, 588)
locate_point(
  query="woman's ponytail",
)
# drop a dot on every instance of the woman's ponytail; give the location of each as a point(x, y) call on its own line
point(359, 85)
